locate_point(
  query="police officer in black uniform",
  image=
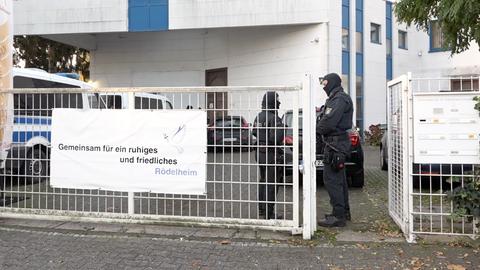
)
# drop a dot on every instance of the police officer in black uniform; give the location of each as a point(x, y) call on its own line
point(269, 131)
point(332, 126)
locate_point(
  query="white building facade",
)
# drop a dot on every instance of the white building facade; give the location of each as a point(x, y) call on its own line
point(136, 43)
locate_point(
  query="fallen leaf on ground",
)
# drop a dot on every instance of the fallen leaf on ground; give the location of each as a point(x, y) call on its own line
point(455, 267)
point(362, 246)
point(416, 263)
point(225, 242)
point(440, 255)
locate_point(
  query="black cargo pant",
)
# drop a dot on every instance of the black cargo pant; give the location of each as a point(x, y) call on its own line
point(336, 180)
point(271, 173)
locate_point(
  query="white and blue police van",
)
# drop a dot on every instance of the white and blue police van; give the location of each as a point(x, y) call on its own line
point(25, 146)
point(27, 133)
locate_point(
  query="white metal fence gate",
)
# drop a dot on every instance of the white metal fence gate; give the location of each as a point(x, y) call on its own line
point(233, 184)
point(398, 188)
point(418, 192)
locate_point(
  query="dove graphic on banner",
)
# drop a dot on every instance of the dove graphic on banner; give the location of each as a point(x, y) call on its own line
point(176, 139)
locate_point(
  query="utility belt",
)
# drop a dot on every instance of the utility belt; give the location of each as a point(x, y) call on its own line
point(336, 158)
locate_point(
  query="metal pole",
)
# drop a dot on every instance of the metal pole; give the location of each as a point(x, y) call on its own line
point(408, 148)
point(352, 83)
point(295, 161)
point(313, 154)
point(131, 201)
point(309, 200)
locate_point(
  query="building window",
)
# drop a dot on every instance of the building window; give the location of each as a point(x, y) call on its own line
point(359, 109)
point(389, 48)
point(359, 41)
point(359, 86)
point(464, 84)
point(359, 93)
point(345, 83)
point(375, 33)
point(402, 40)
point(437, 42)
point(345, 39)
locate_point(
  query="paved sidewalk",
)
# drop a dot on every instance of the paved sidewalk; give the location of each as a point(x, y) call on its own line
point(37, 249)
point(370, 241)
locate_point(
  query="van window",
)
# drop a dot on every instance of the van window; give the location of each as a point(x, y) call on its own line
point(156, 104)
point(110, 101)
point(42, 104)
point(51, 84)
point(26, 82)
point(22, 82)
point(93, 101)
point(145, 103)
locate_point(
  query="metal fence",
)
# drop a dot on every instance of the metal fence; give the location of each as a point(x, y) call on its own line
point(419, 192)
point(234, 187)
point(397, 154)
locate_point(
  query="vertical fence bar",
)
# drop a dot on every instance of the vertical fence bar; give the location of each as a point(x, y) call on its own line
point(309, 200)
point(295, 160)
point(131, 195)
point(407, 126)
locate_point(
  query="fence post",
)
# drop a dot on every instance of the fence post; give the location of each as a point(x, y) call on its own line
point(407, 126)
point(309, 189)
point(131, 201)
point(295, 162)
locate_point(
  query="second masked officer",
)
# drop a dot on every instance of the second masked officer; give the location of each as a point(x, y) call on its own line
point(332, 126)
point(269, 130)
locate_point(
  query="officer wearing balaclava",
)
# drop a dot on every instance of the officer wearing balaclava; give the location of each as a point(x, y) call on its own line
point(269, 131)
point(332, 125)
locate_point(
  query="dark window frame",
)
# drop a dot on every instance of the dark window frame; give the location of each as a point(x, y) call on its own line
point(378, 27)
point(403, 46)
point(442, 48)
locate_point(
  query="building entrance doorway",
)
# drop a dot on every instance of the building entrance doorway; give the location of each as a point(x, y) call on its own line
point(217, 102)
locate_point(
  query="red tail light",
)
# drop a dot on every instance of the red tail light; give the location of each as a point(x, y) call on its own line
point(354, 138)
point(288, 140)
point(244, 124)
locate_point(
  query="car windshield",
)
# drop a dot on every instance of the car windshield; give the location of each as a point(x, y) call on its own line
point(289, 119)
point(228, 122)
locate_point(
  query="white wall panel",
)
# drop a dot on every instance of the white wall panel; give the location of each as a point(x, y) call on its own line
point(253, 56)
point(43, 17)
point(190, 14)
point(375, 65)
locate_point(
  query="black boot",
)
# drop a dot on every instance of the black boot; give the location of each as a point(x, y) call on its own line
point(332, 221)
point(348, 216)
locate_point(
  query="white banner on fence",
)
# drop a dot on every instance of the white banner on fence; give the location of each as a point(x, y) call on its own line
point(129, 150)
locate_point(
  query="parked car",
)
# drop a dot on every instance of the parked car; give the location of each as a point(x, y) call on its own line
point(354, 164)
point(426, 176)
point(384, 151)
point(229, 131)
